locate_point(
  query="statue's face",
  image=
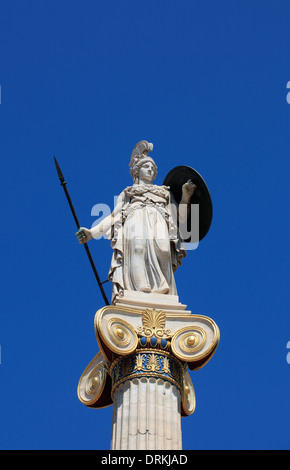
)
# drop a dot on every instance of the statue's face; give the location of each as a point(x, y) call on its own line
point(146, 172)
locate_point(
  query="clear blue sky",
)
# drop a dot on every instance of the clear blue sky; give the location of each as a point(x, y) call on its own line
point(206, 83)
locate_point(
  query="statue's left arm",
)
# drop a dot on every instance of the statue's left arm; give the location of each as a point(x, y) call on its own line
point(188, 189)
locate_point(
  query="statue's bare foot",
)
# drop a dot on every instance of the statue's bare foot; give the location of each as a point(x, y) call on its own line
point(165, 290)
point(145, 289)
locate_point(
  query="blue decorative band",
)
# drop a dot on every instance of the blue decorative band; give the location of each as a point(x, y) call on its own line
point(147, 363)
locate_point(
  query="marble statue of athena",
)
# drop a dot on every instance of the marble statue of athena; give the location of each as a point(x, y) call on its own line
point(143, 229)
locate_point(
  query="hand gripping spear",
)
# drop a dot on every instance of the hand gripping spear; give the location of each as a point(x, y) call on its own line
point(63, 184)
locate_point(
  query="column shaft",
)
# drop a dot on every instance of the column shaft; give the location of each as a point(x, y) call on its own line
point(146, 415)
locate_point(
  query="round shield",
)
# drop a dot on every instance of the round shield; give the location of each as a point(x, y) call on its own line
point(175, 179)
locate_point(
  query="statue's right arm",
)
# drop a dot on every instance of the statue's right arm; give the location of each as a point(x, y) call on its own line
point(84, 234)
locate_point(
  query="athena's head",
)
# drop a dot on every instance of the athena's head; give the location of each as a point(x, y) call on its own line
point(139, 157)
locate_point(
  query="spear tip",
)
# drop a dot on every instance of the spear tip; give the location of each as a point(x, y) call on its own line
point(59, 172)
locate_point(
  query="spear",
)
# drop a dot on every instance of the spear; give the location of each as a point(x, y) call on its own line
point(63, 184)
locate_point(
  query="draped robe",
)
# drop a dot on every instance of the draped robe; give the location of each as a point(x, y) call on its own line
point(146, 245)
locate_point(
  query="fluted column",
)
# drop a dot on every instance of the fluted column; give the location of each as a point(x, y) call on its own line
point(146, 415)
point(146, 392)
